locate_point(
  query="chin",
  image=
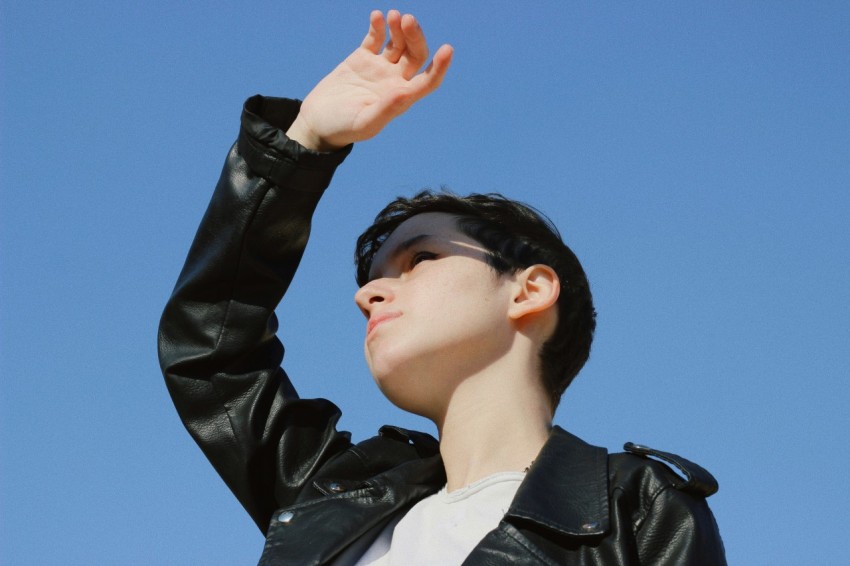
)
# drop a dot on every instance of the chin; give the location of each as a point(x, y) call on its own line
point(406, 392)
point(391, 365)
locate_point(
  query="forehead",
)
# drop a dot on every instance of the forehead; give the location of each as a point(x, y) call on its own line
point(433, 226)
point(433, 223)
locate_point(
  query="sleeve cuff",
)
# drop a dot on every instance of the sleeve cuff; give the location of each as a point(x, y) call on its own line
point(270, 154)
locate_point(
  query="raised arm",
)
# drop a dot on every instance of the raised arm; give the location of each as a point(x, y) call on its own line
point(217, 344)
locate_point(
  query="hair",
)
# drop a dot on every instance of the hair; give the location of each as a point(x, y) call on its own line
point(515, 236)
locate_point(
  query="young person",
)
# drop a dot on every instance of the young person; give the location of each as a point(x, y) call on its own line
point(478, 318)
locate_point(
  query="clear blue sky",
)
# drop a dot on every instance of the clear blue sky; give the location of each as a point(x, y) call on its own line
point(695, 155)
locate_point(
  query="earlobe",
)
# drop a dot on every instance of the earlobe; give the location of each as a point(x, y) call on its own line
point(537, 289)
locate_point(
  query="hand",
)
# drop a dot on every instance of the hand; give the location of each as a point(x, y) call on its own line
point(371, 86)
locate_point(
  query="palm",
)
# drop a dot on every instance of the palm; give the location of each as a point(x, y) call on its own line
point(371, 87)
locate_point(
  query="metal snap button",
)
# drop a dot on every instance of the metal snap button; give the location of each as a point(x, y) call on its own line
point(587, 527)
point(286, 517)
point(336, 488)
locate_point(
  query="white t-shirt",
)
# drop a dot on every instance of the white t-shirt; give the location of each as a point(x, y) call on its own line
point(444, 528)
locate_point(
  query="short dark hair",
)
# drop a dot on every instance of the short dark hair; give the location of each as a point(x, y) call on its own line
point(516, 236)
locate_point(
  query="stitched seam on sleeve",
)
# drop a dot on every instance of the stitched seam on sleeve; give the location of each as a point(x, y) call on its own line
point(239, 263)
point(264, 186)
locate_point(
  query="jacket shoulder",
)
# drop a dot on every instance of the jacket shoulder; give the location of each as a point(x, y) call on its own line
point(653, 469)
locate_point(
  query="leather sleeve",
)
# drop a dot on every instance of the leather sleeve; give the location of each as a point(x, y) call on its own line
point(679, 529)
point(217, 344)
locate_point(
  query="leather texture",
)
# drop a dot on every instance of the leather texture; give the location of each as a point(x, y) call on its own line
point(316, 495)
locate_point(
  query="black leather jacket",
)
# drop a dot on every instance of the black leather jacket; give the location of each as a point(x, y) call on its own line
point(318, 497)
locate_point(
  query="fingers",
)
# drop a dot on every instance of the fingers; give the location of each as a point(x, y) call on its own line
point(427, 82)
point(408, 48)
point(376, 35)
point(396, 45)
point(416, 52)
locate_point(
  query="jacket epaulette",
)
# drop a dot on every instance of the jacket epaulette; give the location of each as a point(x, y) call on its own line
point(699, 480)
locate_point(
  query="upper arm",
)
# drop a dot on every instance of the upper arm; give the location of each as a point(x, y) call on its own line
point(217, 339)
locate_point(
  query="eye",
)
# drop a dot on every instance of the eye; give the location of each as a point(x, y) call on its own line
point(419, 257)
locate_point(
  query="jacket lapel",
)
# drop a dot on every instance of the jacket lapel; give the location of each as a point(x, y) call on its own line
point(566, 489)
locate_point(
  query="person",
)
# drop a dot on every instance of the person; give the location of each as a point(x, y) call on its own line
point(479, 316)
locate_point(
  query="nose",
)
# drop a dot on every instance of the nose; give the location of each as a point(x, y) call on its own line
point(372, 293)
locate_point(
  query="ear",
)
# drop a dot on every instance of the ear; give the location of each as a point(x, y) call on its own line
point(537, 288)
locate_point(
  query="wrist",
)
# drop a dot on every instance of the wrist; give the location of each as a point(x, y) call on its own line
point(300, 132)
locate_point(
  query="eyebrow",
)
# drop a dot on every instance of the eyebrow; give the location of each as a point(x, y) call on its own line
point(400, 249)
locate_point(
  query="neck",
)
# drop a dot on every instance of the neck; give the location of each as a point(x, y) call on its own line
point(496, 421)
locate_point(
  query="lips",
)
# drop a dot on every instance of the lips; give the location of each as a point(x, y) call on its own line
point(380, 319)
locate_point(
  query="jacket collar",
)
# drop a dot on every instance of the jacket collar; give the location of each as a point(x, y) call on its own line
point(566, 489)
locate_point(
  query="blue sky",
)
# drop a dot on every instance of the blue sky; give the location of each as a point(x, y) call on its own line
point(696, 156)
